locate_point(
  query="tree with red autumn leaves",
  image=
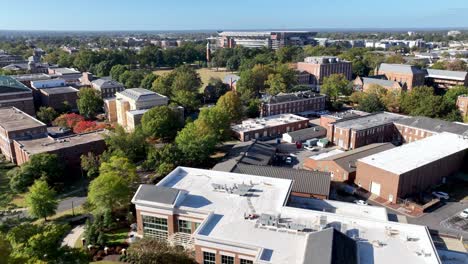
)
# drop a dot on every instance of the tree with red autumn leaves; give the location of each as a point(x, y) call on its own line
point(68, 120)
point(87, 126)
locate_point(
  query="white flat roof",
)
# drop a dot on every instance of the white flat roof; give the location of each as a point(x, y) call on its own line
point(418, 153)
point(269, 121)
point(225, 226)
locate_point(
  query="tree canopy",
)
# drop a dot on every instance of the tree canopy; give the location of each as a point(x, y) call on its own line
point(89, 102)
point(161, 122)
point(335, 85)
point(41, 200)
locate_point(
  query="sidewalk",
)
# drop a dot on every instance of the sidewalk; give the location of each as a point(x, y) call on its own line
point(74, 235)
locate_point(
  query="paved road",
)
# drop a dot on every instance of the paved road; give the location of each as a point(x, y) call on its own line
point(434, 218)
point(68, 203)
point(74, 234)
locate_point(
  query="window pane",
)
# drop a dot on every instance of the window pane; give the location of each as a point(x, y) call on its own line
point(155, 227)
point(244, 261)
point(185, 226)
point(227, 260)
point(209, 258)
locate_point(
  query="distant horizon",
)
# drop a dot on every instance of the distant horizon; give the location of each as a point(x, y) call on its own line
point(323, 29)
point(211, 15)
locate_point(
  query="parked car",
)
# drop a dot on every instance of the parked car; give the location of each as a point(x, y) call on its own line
point(360, 202)
point(289, 160)
point(441, 195)
point(464, 213)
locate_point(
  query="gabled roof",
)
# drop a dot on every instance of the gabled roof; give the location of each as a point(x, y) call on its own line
point(444, 74)
point(139, 93)
point(305, 181)
point(252, 153)
point(290, 97)
point(400, 68)
point(330, 246)
point(378, 81)
point(434, 125)
point(156, 194)
point(105, 83)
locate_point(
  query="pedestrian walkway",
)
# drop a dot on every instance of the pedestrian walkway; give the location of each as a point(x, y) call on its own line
point(74, 235)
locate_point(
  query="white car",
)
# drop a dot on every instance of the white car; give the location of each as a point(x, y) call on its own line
point(360, 202)
point(464, 213)
point(441, 195)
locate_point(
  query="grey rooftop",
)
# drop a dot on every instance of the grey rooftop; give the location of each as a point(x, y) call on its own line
point(434, 125)
point(156, 194)
point(369, 121)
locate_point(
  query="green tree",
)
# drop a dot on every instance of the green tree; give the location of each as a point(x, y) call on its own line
point(41, 200)
point(120, 166)
point(89, 103)
point(161, 122)
point(44, 165)
point(90, 163)
point(371, 103)
point(5, 250)
point(231, 104)
point(439, 65)
point(396, 59)
point(215, 89)
point(163, 159)
point(214, 120)
point(109, 191)
point(132, 78)
point(452, 94)
point(129, 145)
point(46, 114)
point(195, 143)
point(187, 99)
point(162, 84)
point(276, 84)
point(118, 70)
point(148, 81)
point(335, 85)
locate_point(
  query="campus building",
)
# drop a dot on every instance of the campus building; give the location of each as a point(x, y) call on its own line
point(57, 96)
point(443, 79)
point(364, 130)
point(407, 75)
point(17, 125)
point(270, 126)
point(15, 94)
point(69, 148)
point(342, 166)
point(324, 66)
point(418, 127)
point(293, 103)
point(412, 168)
point(244, 219)
point(267, 39)
point(129, 105)
point(107, 88)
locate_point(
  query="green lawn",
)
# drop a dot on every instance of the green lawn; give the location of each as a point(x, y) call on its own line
point(117, 236)
point(205, 75)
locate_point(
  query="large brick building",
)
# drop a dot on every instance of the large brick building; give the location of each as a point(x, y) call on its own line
point(17, 125)
point(321, 67)
point(412, 168)
point(293, 103)
point(407, 75)
point(69, 149)
point(57, 96)
point(357, 132)
point(244, 219)
point(342, 166)
point(271, 126)
point(15, 94)
point(267, 39)
point(443, 79)
point(418, 127)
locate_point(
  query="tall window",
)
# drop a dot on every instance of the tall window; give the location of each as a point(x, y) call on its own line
point(245, 261)
point(155, 227)
point(227, 260)
point(209, 258)
point(185, 226)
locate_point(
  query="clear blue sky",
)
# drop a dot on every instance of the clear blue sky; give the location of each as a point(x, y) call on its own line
point(237, 14)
